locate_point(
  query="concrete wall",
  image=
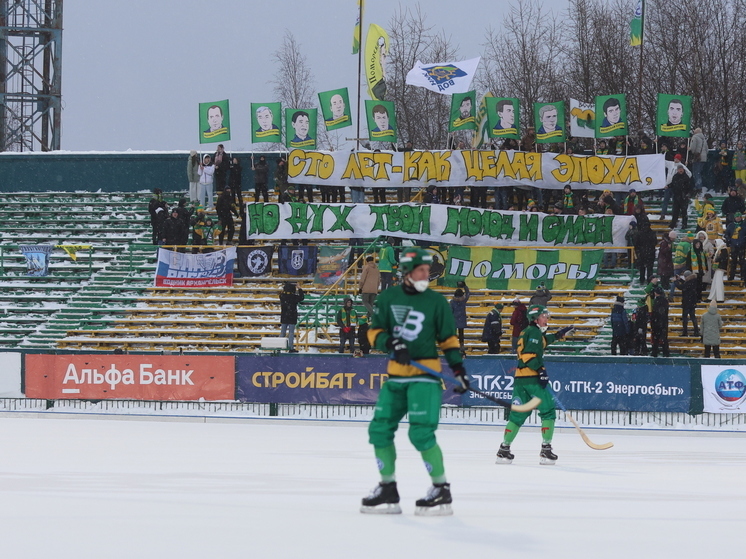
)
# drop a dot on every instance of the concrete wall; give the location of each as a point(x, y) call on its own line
point(107, 171)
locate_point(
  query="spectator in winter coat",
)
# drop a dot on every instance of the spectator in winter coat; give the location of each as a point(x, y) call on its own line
point(659, 323)
point(631, 202)
point(493, 329)
point(712, 323)
point(641, 216)
point(650, 290)
point(519, 321)
point(346, 320)
point(665, 258)
point(620, 327)
point(290, 298)
point(225, 208)
point(700, 265)
point(362, 335)
point(284, 192)
point(708, 251)
point(682, 257)
point(735, 238)
point(640, 325)
point(234, 181)
point(731, 205)
point(193, 174)
point(711, 224)
point(222, 164)
point(458, 308)
point(569, 201)
point(261, 174)
point(541, 296)
point(173, 229)
point(739, 161)
point(370, 279)
point(158, 214)
point(689, 298)
point(206, 173)
point(185, 215)
point(681, 187)
point(645, 251)
point(198, 223)
point(702, 206)
point(698, 153)
point(720, 268)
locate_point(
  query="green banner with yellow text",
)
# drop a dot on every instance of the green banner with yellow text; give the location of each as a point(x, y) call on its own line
point(214, 122)
point(335, 107)
point(674, 115)
point(463, 111)
point(266, 122)
point(522, 269)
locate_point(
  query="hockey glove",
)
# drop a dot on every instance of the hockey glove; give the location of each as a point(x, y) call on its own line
point(564, 331)
point(543, 377)
point(399, 348)
point(460, 373)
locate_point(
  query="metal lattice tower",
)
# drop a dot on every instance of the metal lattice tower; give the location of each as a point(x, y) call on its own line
point(30, 75)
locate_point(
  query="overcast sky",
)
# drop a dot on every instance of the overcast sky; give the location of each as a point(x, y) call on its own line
point(134, 72)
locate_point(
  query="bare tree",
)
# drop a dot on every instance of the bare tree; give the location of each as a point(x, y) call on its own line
point(422, 115)
point(524, 59)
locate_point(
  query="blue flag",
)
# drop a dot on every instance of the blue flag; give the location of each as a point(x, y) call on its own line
point(297, 260)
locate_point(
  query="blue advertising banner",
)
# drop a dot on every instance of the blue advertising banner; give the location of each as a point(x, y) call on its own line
point(593, 386)
point(321, 379)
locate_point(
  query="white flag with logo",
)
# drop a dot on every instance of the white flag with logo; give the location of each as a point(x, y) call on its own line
point(582, 119)
point(444, 77)
point(724, 388)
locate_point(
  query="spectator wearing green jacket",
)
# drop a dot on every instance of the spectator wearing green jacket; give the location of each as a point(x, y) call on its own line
point(386, 265)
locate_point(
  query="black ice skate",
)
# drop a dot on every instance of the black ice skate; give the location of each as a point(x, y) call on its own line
point(546, 456)
point(504, 456)
point(437, 503)
point(384, 499)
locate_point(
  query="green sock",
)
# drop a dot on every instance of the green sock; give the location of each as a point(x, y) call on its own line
point(433, 458)
point(511, 430)
point(547, 430)
point(386, 458)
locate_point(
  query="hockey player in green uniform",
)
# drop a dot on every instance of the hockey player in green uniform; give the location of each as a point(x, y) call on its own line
point(531, 380)
point(408, 321)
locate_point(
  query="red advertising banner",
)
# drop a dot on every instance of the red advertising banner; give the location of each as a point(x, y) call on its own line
point(130, 377)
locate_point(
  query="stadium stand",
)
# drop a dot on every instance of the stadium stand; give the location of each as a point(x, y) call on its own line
point(105, 299)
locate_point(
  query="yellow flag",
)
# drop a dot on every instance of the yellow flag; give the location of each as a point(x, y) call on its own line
point(71, 250)
point(356, 32)
point(376, 52)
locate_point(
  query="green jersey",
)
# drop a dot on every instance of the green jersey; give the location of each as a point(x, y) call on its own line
point(531, 346)
point(424, 321)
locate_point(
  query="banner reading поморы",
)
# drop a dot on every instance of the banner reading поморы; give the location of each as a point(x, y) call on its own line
point(476, 167)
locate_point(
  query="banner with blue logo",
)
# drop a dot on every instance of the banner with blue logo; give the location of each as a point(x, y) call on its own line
point(209, 269)
point(450, 77)
point(37, 259)
point(724, 388)
point(297, 260)
point(593, 386)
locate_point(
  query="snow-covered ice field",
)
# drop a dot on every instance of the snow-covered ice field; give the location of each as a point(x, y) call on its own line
point(102, 488)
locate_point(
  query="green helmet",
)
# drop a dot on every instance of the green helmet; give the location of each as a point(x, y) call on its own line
point(412, 257)
point(535, 311)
